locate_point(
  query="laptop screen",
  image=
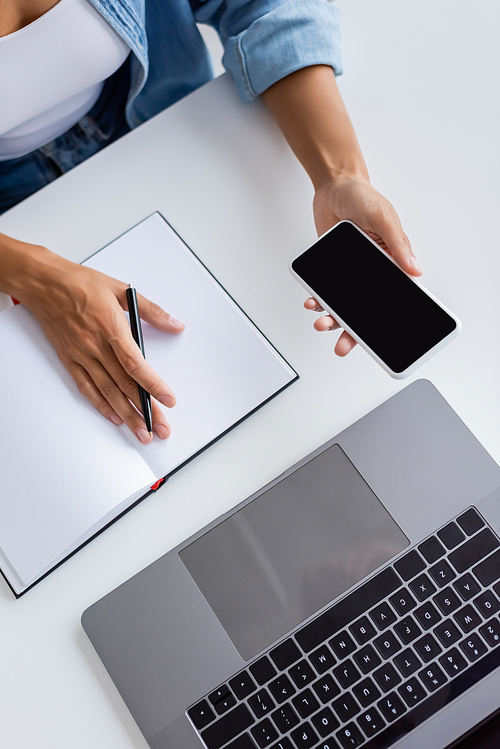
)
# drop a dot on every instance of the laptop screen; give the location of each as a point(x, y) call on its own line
point(292, 550)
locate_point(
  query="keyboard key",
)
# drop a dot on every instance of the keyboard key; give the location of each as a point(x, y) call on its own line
point(386, 677)
point(387, 645)
point(442, 573)
point(219, 695)
point(285, 743)
point(487, 603)
point(475, 549)
point(451, 535)
point(473, 647)
point(407, 630)
point(466, 587)
point(326, 689)
point(366, 692)
point(350, 736)
point(427, 615)
point(491, 632)
point(329, 743)
point(432, 549)
point(391, 706)
point(432, 677)
point(285, 718)
point(447, 600)
point(362, 630)
point(346, 674)
point(489, 570)
point(348, 609)
point(322, 659)
point(281, 688)
point(305, 736)
point(342, 645)
point(302, 674)
point(242, 685)
point(201, 714)
point(383, 616)
point(367, 659)
point(228, 727)
point(407, 662)
point(402, 601)
point(467, 619)
point(447, 633)
point(412, 692)
point(285, 654)
point(305, 703)
point(371, 722)
point(422, 587)
point(264, 732)
point(325, 722)
point(471, 521)
point(410, 565)
point(346, 707)
point(262, 670)
point(261, 703)
point(453, 662)
point(226, 704)
point(242, 742)
point(427, 647)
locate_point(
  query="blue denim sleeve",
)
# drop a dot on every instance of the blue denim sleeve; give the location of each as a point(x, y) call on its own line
point(265, 40)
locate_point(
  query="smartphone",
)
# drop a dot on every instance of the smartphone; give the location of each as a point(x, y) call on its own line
point(398, 322)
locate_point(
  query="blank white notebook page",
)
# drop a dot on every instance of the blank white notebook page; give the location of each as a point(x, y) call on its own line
point(220, 367)
point(63, 466)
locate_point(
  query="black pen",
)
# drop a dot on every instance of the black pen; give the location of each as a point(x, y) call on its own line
point(135, 327)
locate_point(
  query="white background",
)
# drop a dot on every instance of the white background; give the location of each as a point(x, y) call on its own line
point(421, 83)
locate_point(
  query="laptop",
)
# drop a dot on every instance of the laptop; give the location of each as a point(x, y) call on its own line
point(352, 602)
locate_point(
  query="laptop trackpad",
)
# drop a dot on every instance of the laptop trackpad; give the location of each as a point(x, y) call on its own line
point(292, 550)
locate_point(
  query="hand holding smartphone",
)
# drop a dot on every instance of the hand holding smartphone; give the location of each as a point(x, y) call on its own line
point(392, 317)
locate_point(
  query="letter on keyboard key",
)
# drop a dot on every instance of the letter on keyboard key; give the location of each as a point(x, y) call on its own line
point(305, 736)
point(227, 727)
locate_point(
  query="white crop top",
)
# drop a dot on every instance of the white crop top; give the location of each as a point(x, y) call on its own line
point(52, 72)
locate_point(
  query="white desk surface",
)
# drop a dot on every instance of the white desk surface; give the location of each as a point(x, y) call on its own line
point(421, 83)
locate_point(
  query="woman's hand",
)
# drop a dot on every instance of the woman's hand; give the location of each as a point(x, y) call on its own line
point(311, 114)
point(352, 197)
point(81, 313)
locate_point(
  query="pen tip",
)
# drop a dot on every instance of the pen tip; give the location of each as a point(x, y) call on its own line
point(151, 434)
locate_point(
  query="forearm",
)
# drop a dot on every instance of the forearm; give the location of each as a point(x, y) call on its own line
point(25, 268)
point(311, 114)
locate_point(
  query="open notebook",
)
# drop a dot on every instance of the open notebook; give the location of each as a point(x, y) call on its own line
point(66, 472)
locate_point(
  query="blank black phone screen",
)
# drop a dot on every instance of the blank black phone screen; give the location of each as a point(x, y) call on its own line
point(385, 308)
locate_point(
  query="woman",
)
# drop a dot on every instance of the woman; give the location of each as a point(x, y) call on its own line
point(76, 75)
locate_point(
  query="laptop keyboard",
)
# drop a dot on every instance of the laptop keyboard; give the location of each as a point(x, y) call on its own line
point(379, 662)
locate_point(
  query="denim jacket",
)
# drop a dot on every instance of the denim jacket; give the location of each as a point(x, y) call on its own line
point(264, 40)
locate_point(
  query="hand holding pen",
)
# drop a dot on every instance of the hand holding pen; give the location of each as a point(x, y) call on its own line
point(144, 395)
point(136, 328)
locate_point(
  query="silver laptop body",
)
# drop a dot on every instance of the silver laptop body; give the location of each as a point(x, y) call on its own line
point(342, 605)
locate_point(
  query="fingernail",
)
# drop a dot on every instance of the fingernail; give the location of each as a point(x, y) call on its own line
point(161, 431)
point(414, 264)
point(167, 400)
point(142, 435)
point(176, 323)
point(115, 419)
